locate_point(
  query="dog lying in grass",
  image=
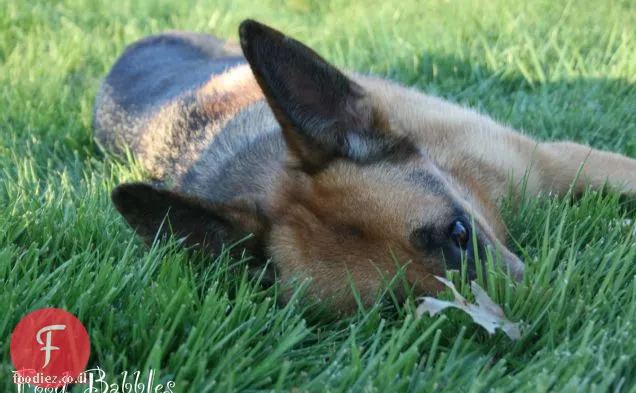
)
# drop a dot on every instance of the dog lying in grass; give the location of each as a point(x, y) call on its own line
point(341, 178)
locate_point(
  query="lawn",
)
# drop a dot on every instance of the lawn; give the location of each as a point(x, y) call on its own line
point(553, 69)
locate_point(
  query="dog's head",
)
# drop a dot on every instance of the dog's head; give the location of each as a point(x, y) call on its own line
point(358, 196)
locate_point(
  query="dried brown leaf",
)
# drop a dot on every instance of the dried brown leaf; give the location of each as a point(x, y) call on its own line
point(485, 312)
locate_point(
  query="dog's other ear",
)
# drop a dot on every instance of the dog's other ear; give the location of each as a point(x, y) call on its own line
point(322, 112)
point(155, 212)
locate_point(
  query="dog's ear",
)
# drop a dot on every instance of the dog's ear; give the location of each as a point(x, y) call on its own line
point(323, 113)
point(155, 212)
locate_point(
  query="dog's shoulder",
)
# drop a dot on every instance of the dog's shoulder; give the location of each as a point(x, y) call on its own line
point(161, 67)
point(153, 76)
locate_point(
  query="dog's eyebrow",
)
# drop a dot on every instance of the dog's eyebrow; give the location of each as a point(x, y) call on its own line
point(428, 181)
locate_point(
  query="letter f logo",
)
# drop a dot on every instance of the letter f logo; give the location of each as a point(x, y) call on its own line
point(34, 337)
point(48, 347)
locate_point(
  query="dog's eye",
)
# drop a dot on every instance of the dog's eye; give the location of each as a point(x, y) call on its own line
point(459, 234)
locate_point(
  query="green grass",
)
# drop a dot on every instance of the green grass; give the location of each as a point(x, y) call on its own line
point(550, 68)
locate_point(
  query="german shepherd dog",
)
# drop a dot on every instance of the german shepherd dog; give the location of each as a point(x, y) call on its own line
point(340, 178)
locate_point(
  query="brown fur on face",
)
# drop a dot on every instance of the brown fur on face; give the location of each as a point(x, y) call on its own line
point(354, 224)
point(360, 178)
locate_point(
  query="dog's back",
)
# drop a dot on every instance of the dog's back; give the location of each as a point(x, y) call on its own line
point(186, 105)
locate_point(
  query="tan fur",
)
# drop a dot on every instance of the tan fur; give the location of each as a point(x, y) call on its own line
point(474, 146)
